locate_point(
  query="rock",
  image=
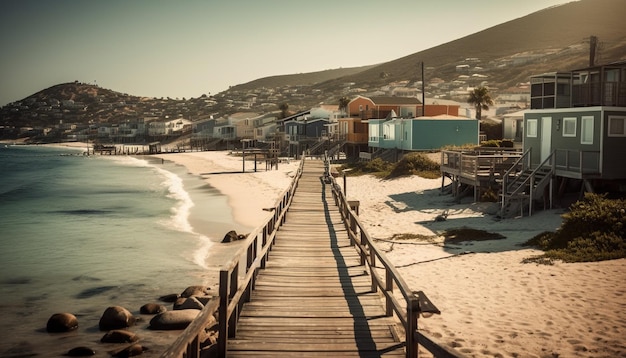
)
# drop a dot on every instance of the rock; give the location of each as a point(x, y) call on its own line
point(233, 236)
point(116, 317)
point(61, 322)
point(172, 320)
point(81, 352)
point(152, 308)
point(230, 236)
point(130, 351)
point(169, 298)
point(191, 303)
point(195, 291)
point(119, 336)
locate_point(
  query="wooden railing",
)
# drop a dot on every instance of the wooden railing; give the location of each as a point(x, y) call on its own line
point(415, 303)
point(235, 285)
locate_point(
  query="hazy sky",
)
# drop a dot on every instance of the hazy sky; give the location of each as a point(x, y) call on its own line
point(189, 48)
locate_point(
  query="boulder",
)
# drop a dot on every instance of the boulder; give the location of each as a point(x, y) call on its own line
point(191, 303)
point(233, 236)
point(116, 317)
point(152, 308)
point(119, 336)
point(61, 322)
point(81, 352)
point(172, 320)
point(169, 298)
point(195, 291)
point(130, 351)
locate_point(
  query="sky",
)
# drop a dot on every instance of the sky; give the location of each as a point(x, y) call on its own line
point(184, 49)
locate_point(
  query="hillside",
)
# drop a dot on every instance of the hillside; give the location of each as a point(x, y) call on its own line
point(503, 56)
point(557, 38)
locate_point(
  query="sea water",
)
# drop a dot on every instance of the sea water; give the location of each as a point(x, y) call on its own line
point(81, 233)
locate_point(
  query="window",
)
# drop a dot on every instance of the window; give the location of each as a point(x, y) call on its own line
point(373, 132)
point(388, 131)
point(586, 130)
point(569, 127)
point(617, 126)
point(531, 128)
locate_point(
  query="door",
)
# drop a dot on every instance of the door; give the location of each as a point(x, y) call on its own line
point(546, 137)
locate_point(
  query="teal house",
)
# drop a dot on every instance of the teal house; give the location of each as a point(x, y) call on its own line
point(422, 133)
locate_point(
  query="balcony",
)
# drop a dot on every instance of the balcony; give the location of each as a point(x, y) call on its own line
point(599, 94)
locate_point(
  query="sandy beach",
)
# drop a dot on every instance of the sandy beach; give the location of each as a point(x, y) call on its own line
point(492, 304)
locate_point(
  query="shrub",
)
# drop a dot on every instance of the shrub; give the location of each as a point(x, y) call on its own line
point(593, 230)
point(492, 143)
point(416, 164)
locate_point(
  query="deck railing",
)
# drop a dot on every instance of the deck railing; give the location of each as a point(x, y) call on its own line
point(581, 162)
point(237, 279)
point(415, 303)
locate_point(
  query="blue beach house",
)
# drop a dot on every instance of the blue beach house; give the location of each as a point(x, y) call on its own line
point(422, 133)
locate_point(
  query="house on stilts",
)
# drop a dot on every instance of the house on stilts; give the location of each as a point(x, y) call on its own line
point(574, 136)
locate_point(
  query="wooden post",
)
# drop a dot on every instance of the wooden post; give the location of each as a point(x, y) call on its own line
point(412, 312)
point(222, 338)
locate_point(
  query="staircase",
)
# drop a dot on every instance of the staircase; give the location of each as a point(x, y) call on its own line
point(519, 190)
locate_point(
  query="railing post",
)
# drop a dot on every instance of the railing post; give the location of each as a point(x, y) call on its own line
point(412, 313)
point(222, 338)
point(363, 245)
point(389, 289)
point(234, 285)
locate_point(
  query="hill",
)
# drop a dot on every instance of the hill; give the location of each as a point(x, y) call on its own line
point(554, 39)
point(503, 56)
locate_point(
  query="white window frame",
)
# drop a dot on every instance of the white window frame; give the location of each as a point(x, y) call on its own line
point(610, 129)
point(586, 131)
point(569, 123)
point(531, 128)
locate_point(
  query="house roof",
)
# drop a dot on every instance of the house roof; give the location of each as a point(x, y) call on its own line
point(519, 114)
point(446, 117)
point(387, 100)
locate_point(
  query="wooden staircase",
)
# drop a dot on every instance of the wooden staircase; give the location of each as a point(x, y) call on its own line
point(521, 188)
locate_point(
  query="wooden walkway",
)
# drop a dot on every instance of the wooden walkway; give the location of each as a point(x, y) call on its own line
point(314, 298)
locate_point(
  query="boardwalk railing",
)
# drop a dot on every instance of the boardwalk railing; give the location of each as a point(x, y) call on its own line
point(415, 303)
point(237, 282)
point(233, 291)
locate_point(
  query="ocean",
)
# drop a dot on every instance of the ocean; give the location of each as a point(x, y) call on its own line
point(81, 233)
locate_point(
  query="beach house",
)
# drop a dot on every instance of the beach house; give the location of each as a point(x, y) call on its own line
point(574, 135)
point(354, 128)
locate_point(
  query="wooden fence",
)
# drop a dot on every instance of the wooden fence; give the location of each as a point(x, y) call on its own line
point(385, 277)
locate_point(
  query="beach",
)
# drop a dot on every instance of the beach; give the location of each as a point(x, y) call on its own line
point(492, 304)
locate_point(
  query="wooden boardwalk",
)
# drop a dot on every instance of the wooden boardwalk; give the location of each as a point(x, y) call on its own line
point(314, 298)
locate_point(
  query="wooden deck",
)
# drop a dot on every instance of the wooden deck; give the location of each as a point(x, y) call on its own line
point(314, 298)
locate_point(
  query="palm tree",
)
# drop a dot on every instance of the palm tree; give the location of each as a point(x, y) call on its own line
point(343, 103)
point(284, 107)
point(481, 99)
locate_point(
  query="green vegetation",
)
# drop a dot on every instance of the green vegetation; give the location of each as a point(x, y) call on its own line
point(411, 164)
point(497, 143)
point(593, 230)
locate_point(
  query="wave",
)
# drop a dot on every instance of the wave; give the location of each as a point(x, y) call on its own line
point(181, 211)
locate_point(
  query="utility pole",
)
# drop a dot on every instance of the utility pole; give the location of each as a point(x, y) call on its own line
point(593, 44)
point(423, 92)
